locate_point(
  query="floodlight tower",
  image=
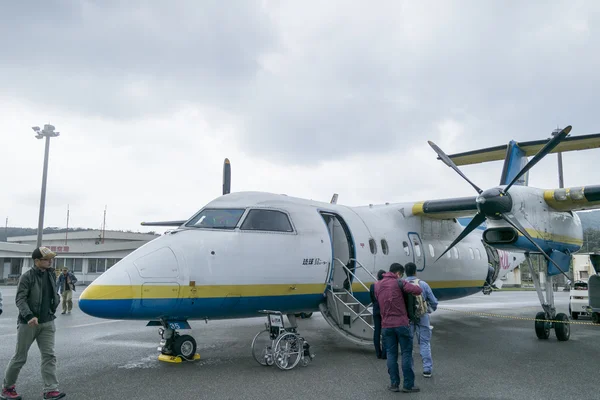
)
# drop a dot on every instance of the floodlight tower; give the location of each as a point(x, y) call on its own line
point(48, 132)
point(560, 164)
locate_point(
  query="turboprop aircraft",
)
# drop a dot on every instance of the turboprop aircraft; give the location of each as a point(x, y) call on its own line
point(249, 251)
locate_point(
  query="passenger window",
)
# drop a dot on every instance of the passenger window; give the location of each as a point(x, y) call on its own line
point(471, 253)
point(478, 254)
point(267, 220)
point(417, 249)
point(373, 246)
point(455, 252)
point(431, 250)
point(384, 246)
point(406, 248)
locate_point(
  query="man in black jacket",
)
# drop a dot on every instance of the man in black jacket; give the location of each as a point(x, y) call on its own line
point(37, 301)
point(379, 350)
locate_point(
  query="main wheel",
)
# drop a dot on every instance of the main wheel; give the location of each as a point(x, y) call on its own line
point(288, 351)
point(542, 328)
point(563, 328)
point(596, 318)
point(185, 346)
point(261, 348)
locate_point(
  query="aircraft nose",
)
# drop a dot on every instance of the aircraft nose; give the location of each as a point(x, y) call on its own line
point(110, 296)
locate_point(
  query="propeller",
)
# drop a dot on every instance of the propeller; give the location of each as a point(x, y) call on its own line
point(496, 203)
point(451, 164)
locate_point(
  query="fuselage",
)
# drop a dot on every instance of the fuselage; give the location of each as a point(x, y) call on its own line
point(248, 251)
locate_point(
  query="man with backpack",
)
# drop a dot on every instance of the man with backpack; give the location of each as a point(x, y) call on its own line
point(424, 304)
point(389, 292)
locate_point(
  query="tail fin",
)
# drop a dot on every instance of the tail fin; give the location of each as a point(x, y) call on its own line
point(515, 160)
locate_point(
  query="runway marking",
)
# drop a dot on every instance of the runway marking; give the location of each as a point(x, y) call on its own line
point(94, 323)
point(75, 326)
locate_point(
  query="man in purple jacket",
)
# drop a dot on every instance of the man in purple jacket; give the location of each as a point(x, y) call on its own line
point(395, 327)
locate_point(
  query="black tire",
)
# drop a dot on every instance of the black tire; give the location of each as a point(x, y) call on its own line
point(184, 346)
point(306, 315)
point(542, 328)
point(562, 329)
point(596, 318)
point(261, 353)
point(574, 315)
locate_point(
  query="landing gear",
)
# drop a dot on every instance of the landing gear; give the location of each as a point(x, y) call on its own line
point(175, 347)
point(304, 315)
point(548, 318)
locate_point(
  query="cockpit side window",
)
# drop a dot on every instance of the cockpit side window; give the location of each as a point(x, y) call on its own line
point(266, 220)
point(216, 218)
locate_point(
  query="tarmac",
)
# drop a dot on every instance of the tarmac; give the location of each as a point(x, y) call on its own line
point(475, 357)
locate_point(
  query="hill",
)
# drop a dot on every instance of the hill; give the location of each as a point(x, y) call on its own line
point(590, 219)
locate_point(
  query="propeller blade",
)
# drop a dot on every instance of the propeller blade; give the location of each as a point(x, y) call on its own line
point(475, 222)
point(226, 176)
point(552, 143)
point(451, 164)
point(514, 222)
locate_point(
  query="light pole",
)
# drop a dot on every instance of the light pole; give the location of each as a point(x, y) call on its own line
point(560, 165)
point(47, 132)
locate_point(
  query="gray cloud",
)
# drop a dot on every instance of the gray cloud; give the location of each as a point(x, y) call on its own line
point(304, 83)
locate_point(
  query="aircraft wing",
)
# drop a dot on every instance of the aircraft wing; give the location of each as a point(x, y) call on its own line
point(446, 208)
point(573, 199)
point(531, 148)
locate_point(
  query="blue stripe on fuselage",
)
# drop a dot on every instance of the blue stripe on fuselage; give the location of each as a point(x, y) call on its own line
point(225, 308)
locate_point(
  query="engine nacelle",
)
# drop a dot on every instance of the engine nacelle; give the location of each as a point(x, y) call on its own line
point(500, 236)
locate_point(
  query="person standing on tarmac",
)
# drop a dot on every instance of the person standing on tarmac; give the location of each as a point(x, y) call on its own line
point(395, 326)
point(37, 302)
point(379, 351)
point(422, 328)
point(66, 286)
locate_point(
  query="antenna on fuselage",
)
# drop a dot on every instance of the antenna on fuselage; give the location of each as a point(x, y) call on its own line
point(334, 198)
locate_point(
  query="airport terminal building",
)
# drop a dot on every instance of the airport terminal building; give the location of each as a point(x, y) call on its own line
point(86, 253)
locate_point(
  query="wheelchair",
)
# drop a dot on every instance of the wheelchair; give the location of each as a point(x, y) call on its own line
point(279, 345)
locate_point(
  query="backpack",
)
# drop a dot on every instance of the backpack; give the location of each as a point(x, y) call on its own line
point(416, 306)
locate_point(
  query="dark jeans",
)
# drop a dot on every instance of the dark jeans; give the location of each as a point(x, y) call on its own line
point(377, 336)
point(391, 338)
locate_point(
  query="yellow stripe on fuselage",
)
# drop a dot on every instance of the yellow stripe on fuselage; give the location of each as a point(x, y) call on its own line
point(116, 292)
point(553, 237)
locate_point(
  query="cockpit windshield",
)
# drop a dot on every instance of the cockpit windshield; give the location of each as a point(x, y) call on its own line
point(216, 218)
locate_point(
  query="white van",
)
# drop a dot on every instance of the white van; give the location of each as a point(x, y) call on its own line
point(579, 300)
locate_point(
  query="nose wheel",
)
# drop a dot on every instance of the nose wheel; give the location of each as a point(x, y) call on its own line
point(175, 348)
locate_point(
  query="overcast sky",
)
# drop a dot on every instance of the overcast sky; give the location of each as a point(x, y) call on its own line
point(306, 98)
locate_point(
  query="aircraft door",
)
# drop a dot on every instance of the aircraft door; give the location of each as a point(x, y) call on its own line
point(342, 250)
point(417, 250)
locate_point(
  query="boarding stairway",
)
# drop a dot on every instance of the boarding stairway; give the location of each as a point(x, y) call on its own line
point(344, 312)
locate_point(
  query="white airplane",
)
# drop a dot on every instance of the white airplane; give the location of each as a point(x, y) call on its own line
point(250, 251)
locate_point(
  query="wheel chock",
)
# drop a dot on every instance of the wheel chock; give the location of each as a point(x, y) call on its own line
point(175, 359)
point(169, 359)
